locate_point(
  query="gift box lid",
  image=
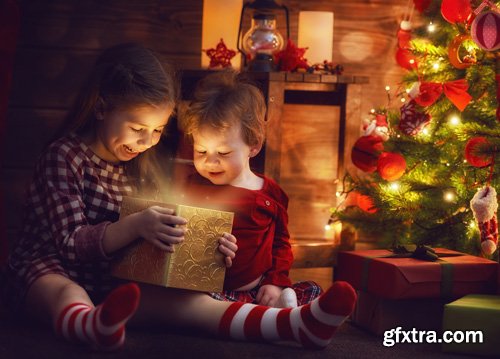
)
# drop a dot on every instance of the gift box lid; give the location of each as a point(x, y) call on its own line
point(454, 274)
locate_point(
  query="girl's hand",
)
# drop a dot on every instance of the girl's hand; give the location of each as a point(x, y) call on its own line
point(157, 226)
point(268, 295)
point(228, 247)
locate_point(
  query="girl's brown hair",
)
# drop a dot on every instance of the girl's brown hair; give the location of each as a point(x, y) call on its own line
point(124, 76)
point(224, 99)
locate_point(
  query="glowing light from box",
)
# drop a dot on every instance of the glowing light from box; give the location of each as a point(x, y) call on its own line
point(316, 33)
point(220, 21)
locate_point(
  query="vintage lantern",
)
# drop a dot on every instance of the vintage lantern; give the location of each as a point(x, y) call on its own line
point(262, 40)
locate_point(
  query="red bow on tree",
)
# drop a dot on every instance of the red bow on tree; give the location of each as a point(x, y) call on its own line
point(455, 91)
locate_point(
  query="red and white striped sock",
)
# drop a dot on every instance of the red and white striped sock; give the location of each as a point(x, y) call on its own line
point(102, 326)
point(312, 325)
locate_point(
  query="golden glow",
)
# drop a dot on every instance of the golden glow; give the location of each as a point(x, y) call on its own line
point(435, 66)
point(387, 88)
point(431, 27)
point(403, 99)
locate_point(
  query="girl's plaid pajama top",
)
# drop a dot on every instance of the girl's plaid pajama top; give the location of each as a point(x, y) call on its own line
point(74, 195)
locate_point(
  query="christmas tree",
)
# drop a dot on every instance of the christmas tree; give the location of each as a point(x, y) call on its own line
point(427, 160)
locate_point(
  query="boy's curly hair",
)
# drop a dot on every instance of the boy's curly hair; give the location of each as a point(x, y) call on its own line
point(224, 99)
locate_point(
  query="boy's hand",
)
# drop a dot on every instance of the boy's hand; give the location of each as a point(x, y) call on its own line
point(228, 247)
point(268, 295)
point(157, 226)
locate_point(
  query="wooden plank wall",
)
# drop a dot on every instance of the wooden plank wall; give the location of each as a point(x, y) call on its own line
point(60, 40)
point(364, 43)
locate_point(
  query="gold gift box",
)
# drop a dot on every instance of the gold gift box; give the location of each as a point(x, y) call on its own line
point(195, 264)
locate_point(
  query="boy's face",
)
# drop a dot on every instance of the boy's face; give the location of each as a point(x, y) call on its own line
point(222, 157)
point(123, 134)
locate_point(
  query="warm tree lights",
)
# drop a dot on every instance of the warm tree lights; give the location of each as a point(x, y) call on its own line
point(432, 175)
point(431, 27)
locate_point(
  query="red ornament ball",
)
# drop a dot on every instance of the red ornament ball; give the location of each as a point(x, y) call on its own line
point(391, 166)
point(365, 203)
point(471, 152)
point(365, 153)
point(362, 201)
point(484, 30)
point(456, 10)
point(406, 59)
point(421, 5)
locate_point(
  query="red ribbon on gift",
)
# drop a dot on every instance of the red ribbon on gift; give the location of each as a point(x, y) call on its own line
point(455, 91)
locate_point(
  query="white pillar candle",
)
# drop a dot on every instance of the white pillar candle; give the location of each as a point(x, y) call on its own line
point(316, 33)
point(221, 20)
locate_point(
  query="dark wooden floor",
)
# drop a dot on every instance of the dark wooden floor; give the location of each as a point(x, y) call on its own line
point(20, 339)
point(25, 340)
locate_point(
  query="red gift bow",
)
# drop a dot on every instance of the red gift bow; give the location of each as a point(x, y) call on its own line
point(455, 91)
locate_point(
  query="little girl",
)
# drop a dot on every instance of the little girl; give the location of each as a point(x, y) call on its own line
point(59, 266)
point(226, 121)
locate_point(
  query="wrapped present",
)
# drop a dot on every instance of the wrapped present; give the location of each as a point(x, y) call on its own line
point(378, 315)
point(475, 316)
point(392, 276)
point(195, 264)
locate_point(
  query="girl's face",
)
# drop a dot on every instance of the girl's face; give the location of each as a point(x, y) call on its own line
point(124, 134)
point(223, 157)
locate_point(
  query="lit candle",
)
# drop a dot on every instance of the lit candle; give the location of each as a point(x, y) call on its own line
point(316, 33)
point(221, 20)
